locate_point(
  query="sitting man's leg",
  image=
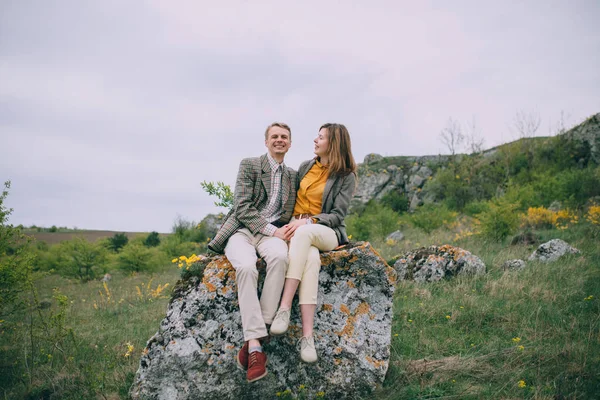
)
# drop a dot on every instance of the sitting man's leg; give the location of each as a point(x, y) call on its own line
point(241, 253)
point(275, 253)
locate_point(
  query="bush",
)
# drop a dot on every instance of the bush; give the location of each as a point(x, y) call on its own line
point(173, 246)
point(432, 216)
point(15, 261)
point(75, 258)
point(499, 221)
point(476, 207)
point(117, 242)
point(189, 231)
point(376, 222)
point(396, 201)
point(137, 258)
point(152, 240)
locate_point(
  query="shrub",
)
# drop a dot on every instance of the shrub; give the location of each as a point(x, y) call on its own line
point(476, 207)
point(173, 246)
point(15, 261)
point(189, 231)
point(376, 222)
point(432, 216)
point(117, 242)
point(137, 258)
point(152, 240)
point(499, 221)
point(396, 201)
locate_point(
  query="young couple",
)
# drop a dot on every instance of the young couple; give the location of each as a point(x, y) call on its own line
point(273, 206)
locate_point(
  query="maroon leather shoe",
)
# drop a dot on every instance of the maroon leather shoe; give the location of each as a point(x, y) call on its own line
point(242, 357)
point(257, 366)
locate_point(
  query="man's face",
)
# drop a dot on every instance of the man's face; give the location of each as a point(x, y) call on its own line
point(278, 141)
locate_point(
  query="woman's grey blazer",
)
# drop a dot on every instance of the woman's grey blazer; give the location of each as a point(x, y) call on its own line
point(336, 199)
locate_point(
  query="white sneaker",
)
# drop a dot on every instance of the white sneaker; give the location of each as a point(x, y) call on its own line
point(308, 353)
point(280, 323)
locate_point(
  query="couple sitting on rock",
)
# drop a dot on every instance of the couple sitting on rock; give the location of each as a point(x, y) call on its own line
point(273, 206)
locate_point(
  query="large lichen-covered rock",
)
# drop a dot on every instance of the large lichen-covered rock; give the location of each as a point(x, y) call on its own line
point(552, 251)
point(588, 133)
point(434, 263)
point(192, 354)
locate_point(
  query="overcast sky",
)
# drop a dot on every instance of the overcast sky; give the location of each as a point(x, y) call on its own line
point(113, 112)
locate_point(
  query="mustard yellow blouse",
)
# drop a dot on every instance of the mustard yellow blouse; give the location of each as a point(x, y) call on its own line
point(310, 195)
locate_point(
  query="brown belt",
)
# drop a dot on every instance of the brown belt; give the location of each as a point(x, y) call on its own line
point(301, 216)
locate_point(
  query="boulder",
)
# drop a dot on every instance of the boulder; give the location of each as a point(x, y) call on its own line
point(435, 263)
point(514, 265)
point(396, 236)
point(192, 356)
point(552, 251)
point(212, 223)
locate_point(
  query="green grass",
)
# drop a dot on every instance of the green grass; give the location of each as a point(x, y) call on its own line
point(457, 339)
point(93, 365)
point(451, 339)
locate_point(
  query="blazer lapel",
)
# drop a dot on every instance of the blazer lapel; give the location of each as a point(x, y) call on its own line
point(266, 174)
point(327, 190)
point(285, 186)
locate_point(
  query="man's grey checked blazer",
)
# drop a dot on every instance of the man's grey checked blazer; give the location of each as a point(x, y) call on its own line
point(252, 188)
point(336, 199)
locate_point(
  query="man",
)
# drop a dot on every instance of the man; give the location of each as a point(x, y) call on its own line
point(265, 195)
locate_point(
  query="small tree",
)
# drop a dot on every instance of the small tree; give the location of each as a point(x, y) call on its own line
point(117, 242)
point(15, 261)
point(85, 256)
point(221, 190)
point(452, 136)
point(152, 240)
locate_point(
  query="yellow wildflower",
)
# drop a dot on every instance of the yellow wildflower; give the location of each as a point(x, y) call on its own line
point(516, 339)
point(522, 384)
point(521, 347)
point(129, 349)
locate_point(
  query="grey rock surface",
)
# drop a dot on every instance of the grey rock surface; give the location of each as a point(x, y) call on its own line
point(212, 223)
point(588, 133)
point(434, 263)
point(552, 251)
point(372, 158)
point(514, 265)
point(396, 236)
point(192, 354)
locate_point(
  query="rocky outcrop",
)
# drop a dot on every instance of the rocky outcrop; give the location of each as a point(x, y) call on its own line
point(435, 263)
point(552, 251)
point(405, 175)
point(588, 133)
point(192, 354)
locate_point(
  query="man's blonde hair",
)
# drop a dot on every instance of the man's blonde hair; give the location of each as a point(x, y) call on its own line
point(280, 125)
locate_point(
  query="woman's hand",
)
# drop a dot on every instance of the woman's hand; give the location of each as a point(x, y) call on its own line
point(292, 226)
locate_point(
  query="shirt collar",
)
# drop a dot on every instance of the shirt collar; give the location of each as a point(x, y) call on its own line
point(274, 164)
point(319, 164)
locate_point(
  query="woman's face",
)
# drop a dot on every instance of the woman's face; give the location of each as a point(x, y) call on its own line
point(322, 143)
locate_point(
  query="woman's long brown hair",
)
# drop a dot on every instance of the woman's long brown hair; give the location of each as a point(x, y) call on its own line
point(341, 161)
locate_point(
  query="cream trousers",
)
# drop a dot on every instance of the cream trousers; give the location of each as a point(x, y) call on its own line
point(305, 261)
point(241, 251)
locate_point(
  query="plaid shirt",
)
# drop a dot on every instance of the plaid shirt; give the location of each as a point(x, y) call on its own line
point(273, 211)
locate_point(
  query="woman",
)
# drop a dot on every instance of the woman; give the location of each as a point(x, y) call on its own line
point(326, 187)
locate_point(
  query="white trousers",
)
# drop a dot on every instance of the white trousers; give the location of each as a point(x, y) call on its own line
point(241, 252)
point(305, 260)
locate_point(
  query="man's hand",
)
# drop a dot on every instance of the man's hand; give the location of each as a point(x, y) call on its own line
point(282, 232)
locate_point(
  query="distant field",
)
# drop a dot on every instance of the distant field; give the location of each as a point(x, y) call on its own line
point(92, 236)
